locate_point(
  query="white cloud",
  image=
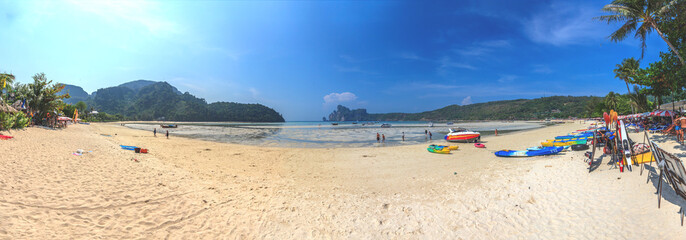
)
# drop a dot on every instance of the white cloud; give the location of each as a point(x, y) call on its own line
point(565, 24)
point(496, 43)
point(540, 68)
point(466, 101)
point(446, 62)
point(507, 78)
point(483, 48)
point(136, 13)
point(254, 92)
point(409, 56)
point(339, 97)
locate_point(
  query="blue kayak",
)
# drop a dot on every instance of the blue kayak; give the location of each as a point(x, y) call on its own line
point(128, 147)
point(575, 136)
point(532, 153)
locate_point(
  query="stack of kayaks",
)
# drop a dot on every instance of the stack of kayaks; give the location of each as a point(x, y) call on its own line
point(530, 153)
point(441, 149)
point(565, 142)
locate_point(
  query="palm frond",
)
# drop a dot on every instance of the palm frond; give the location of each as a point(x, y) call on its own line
point(666, 8)
point(623, 31)
point(641, 34)
point(612, 18)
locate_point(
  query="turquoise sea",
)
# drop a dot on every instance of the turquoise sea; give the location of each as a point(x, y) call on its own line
point(325, 135)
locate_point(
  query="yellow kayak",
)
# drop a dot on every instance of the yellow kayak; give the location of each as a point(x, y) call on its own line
point(562, 144)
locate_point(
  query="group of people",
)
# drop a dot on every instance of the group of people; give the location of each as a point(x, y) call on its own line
point(679, 125)
point(382, 137)
point(154, 133)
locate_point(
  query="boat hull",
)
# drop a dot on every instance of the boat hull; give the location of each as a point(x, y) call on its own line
point(462, 137)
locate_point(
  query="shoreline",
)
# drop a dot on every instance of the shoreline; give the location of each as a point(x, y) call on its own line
point(190, 188)
point(311, 136)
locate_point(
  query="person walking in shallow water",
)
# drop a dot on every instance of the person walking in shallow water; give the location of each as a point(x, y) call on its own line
point(378, 138)
point(430, 135)
point(383, 137)
point(403, 136)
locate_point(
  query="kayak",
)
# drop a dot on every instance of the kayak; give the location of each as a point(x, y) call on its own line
point(128, 147)
point(541, 147)
point(479, 145)
point(541, 152)
point(440, 147)
point(586, 135)
point(442, 150)
point(562, 144)
point(569, 139)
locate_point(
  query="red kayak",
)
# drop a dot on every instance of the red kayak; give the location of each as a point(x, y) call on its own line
point(479, 145)
point(3, 137)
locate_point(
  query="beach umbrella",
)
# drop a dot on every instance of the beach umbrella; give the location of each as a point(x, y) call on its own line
point(662, 113)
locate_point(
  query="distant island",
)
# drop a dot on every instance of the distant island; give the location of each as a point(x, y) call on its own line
point(520, 109)
point(147, 100)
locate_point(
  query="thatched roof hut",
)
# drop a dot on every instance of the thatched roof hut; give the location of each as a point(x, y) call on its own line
point(4, 107)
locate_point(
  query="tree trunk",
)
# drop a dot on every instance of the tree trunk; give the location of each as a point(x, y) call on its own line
point(652, 22)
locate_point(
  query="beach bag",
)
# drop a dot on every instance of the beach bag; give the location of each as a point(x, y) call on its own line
point(579, 147)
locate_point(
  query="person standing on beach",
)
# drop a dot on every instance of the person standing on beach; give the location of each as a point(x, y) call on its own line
point(154, 132)
point(378, 138)
point(403, 136)
point(425, 131)
point(167, 134)
point(383, 137)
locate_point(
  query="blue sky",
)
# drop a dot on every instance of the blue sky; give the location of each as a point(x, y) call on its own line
point(303, 58)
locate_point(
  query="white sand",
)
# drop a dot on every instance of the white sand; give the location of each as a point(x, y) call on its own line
point(194, 189)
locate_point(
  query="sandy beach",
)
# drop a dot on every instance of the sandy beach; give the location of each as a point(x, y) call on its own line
point(193, 189)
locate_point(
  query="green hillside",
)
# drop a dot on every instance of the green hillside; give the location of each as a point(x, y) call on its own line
point(520, 109)
point(161, 101)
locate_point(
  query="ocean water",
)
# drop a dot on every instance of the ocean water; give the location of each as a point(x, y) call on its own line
point(326, 135)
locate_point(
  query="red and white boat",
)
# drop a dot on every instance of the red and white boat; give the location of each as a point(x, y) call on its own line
point(462, 135)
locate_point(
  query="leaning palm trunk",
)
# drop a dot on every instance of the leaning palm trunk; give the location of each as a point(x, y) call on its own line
point(668, 43)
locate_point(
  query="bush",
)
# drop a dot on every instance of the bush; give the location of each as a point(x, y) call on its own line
point(6, 120)
point(21, 120)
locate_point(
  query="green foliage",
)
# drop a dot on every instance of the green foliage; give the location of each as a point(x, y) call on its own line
point(6, 120)
point(21, 120)
point(638, 16)
point(68, 110)
point(104, 117)
point(42, 96)
point(81, 106)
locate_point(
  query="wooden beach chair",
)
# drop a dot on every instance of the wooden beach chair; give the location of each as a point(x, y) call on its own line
point(672, 169)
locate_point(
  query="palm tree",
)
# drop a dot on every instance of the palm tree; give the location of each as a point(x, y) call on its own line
point(626, 70)
point(635, 12)
point(611, 101)
point(5, 81)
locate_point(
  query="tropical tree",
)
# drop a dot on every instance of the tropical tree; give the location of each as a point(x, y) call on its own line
point(81, 106)
point(635, 12)
point(626, 71)
point(611, 100)
point(639, 99)
point(5, 81)
point(43, 98)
